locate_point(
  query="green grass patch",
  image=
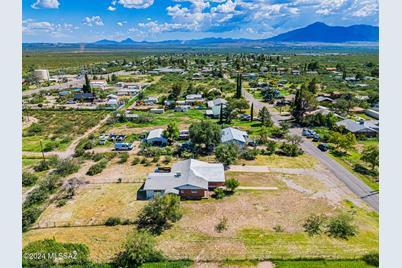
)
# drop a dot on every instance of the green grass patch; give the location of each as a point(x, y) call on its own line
point(168, 264)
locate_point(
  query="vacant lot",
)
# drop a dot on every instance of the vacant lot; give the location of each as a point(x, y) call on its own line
point(93, 204)
point(57, 129)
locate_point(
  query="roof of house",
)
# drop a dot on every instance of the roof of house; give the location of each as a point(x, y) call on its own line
point(185, 173)
point(155, 133)
point(229, 134)
point(217, 102)
point(362, 126)
point(323, 98)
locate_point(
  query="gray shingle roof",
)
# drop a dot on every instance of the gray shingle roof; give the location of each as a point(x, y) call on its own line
point(354, 126)
point(155, 133)
point(229, 134)
point(188, 172)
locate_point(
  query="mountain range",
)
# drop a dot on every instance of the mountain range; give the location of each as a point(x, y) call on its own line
point(317, 33)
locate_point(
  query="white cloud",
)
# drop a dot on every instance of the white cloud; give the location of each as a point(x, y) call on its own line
point(121, 23)
point(111, 8)
point(136, 3)
point(32, 27)
point(93, 21)
point(45, 4)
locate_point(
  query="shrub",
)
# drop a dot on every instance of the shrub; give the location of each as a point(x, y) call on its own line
point(135, 161)
point(55, 252)
point(314, 224)
point(278, 228)
point(219, 193)
point(271, 147)
point(249, 154)
point(160, 213)
point(42, 166)
point(112, 221)
point(372, 259)
point(50, 183)
point(28, 179)
point(34, 129)
point(61, 203)
point(97, 168)
point(232, 184)
point(156, 159)
point(341, 226)
point(66, 167)
point(227, 153)
point(29, 216)
point(222, 225)
point(167, 159)
point(97, 157)
point(291, 150)
point(36, 196)
point(139, 248)
point(123, 157)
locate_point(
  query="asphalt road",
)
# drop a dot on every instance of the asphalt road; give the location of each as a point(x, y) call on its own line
point(351, 181)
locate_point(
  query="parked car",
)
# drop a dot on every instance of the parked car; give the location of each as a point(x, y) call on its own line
point(102, 141)
point(316, 137)
point(323, 147)
point(120, 137)
point(245, 117)
point(306, 132)
point(120, 146)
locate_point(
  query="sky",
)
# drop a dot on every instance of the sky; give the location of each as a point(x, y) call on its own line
point(155, 20)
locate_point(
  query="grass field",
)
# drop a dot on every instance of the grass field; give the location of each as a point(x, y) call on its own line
point(57, 129)
point(277, 161)
point(94, 204)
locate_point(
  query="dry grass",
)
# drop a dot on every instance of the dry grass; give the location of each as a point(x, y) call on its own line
point(277, 161)
point(103, 242)
point(93, 204)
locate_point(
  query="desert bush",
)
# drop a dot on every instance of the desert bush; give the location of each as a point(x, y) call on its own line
point(341, 226)
point(97, 168)
point(372, 259)
point(123, 157)
point(219, 193)
point(41, 166)
point(28, 179)
point(314, 224)
point(112, 221)
point(222, 225)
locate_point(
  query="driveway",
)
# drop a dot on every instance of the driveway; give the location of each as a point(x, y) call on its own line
point(342, 174)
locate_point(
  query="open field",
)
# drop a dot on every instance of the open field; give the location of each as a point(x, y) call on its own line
point(57, 129)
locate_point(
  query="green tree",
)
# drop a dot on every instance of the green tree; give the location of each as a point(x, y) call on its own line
point(314, 224)
point(341, 226)
point(219, 193)
point(160, 213)
point(140, 247)
point(176, 91)
point(232, 184)
point(265, 117)
point(86, 88)
point(371, 156)
point(304, 101)
point(227, 153)
point(239, 86)
point(205, 134)
point(171, 131)
point(252, 112)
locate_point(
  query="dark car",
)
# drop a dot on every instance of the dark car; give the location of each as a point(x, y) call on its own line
point(316, 137)
point(323, 147)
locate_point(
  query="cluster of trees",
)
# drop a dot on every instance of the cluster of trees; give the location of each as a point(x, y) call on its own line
point(304, 101)
point(340, 226)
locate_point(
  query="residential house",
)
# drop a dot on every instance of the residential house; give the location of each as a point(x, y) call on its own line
point(194, 98)
point(217, 102)
point(98, 83)
point(324, 99)
point(156, 138)
point(215, 112)
point(151, 100)
point(85, 97)
point(360, 128)
point(190, 179)
point(182, 108)
point(235, 136)
point(156, 110)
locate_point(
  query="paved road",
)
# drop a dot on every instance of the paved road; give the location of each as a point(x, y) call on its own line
point(351, 181)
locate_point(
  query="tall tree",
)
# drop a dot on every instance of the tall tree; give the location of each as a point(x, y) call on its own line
point(252, 112)
point(221, 115)
point(304, 101)
point(205, 133)
point(239, 86)
point(265, 117)
point(371, 155)
point(86, 88)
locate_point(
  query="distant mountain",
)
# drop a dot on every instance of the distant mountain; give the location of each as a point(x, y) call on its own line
point(321, 32)
point(127, 41)
point(106, 42)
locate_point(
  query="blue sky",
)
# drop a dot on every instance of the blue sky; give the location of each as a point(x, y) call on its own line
point(153, 20)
